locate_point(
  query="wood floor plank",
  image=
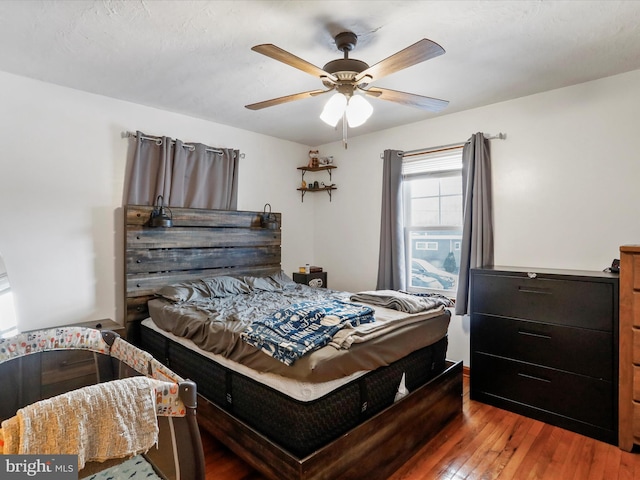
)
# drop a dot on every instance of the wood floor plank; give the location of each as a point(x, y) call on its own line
point(614, 457)
point(446, 446)
point(486, 451)
point(465, 448)
point(627, 469)
point(599, 463)
point(535, 462)
point(484, 443)
point(514, 441)
point(514, 463)
point(559, 455)
point(587, 455)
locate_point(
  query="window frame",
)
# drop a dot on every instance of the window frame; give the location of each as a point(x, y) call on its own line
point(409, 230)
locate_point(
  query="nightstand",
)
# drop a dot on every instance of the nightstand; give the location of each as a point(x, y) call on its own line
point(316, 279)
point(64, 370)
point(104, 324)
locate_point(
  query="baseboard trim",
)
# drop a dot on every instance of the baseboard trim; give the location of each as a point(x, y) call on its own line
point(466, 371)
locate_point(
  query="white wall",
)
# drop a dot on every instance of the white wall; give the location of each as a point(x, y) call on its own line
point(566, 184)
point(61, 179)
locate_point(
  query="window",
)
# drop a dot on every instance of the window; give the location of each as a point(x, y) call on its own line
point(432, 185)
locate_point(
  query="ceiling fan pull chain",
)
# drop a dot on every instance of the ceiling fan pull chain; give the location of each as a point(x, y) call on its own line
point(344, 129)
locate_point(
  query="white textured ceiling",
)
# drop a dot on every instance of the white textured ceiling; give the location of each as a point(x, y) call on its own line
point(195, 58)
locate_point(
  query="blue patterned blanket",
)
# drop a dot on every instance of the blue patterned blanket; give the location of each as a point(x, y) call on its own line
point(288, 334)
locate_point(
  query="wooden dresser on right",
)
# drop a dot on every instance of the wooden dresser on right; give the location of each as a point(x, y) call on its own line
point(629, 367)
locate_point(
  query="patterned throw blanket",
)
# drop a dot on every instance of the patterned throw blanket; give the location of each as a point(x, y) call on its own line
point(291, 332)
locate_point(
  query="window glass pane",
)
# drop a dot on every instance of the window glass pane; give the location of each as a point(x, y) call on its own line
point(435, 260)
point(421, 187)
point(451, 210)
point(451, 185)
point(425, 212)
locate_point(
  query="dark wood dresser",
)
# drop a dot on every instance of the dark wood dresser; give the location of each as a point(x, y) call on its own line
point(544, 344)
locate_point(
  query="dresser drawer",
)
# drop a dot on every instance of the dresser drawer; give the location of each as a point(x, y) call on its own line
point(635, 296)
point(578, 303)
point(587, 352)
point(585, 399)
point(636, 383)
point(636, 422)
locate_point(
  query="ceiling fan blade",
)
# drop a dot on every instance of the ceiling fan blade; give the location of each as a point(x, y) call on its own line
point(410, 99)
point(285, 99)
point(283, 56)
point(416, 53)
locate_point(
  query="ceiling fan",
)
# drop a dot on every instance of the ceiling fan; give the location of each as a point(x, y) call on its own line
point(348, 76)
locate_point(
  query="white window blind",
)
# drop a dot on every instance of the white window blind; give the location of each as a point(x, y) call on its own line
point(434, 162)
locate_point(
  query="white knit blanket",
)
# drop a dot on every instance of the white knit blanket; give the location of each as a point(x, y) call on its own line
point(108, 420)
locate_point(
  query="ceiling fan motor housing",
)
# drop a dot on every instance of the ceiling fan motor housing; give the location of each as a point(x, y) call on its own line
point(345, 69)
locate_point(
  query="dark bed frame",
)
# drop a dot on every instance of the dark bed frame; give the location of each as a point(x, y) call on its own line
point(215, 242)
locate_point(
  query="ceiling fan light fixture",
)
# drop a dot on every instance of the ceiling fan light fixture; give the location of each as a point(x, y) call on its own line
point(358, 111)
point(334, 109)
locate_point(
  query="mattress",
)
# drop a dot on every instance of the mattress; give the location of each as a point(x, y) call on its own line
point(215, 325)
point(299, 416)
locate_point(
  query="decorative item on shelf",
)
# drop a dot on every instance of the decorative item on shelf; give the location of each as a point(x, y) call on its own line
point(303, 184)
point(316, 185)
point(159, 217)
point(313, 159)
point(326, 160)
point(268, 219)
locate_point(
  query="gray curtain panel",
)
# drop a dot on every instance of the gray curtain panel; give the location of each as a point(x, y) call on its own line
point(477, 232)
point(186, 175)
point(391, 261)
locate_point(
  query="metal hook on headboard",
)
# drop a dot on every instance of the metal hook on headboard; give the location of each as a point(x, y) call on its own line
point(268, 219)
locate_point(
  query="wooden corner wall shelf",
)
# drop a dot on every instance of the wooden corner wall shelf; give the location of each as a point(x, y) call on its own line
point(321, 168)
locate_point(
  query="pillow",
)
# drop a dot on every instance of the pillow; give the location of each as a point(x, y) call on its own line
point(283, 280)
point(204, 289)
point(224, 286)
point(273, 283)
point(189, 291)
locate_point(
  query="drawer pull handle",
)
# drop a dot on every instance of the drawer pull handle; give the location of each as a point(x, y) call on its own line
point(539, 291)
point(532, 377)
point(534, 334)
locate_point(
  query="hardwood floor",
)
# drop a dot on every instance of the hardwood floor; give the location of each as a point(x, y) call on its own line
point(483, 443)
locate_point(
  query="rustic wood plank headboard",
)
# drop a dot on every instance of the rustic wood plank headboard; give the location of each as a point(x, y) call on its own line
point(201, 243)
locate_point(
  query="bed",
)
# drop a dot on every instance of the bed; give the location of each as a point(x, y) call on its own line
point(89, 394)
point(295, 423)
